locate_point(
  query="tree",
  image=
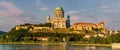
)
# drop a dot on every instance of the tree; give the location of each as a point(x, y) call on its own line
point(114, 38)
point(97, 30)
point(48, 24)
point(86, 31)
point(16, 35)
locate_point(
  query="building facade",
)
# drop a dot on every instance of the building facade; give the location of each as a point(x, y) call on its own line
point(89, 26)
point(59, 21)
point(33, 28)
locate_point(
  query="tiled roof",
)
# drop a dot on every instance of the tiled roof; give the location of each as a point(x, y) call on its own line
point(84, 23)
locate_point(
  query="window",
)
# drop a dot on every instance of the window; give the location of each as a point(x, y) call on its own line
point(75, 26)
point(59, 15)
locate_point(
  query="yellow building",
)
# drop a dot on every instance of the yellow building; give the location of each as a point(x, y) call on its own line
point(89, 26)
point(33, 28)
point(59, 21)
point(18, 27)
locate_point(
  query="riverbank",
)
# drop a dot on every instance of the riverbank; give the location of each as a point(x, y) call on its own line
point(56, 43)
point(107, 45)
point(40, 43)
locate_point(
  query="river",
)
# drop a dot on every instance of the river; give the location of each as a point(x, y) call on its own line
point(48, 47)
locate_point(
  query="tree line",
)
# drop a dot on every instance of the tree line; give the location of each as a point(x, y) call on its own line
point(19, 35)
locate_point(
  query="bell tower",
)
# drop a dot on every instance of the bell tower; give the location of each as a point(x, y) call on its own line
point(68, 21)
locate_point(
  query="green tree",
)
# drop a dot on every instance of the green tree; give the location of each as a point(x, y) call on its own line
point(48, 24)
point(16, 35)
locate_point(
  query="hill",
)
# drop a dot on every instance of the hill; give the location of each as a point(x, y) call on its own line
point(2, 32)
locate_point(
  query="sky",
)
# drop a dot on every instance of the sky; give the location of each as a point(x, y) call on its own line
point(15, 12)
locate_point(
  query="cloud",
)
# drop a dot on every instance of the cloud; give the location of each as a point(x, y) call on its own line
point(103, 7)
point(114, 8)
point(27, 18)
point(12, 13)
point(113, 11)
point(41, 6)
point(83, 10)
point(44, 9)
point(77, 11)
point(74, 19)
point(73, 12)
point(8, 9)
point(75, 15)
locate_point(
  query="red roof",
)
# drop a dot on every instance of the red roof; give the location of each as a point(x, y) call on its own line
point(84, 23)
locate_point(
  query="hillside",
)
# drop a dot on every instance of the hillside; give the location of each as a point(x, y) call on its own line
point(2, 32)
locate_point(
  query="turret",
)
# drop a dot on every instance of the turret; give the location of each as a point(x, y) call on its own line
point(116, 30)
point(68, 21)
point(101, 24)
point(48, 19)
point(68, 17)
point(110, 32)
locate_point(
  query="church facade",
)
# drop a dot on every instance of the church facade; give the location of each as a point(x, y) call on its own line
point(59, 21)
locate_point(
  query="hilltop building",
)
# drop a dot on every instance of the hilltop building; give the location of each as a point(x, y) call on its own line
point(59, 21)
point(33, 28)
point(90, 26)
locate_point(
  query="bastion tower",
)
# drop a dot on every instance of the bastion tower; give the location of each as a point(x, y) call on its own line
point(58, 20)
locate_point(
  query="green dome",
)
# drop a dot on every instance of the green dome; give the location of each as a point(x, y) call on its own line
point(58, 8)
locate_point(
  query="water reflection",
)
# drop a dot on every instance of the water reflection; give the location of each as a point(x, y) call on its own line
point(88, 48)
point(50, 47)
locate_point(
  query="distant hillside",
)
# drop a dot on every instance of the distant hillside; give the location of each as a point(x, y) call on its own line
point(2, 32)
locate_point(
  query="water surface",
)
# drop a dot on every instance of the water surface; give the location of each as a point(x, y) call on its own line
point(49, 47)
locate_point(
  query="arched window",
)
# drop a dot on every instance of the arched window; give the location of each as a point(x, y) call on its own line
point(59, 15)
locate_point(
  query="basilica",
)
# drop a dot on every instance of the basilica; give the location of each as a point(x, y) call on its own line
point(59, 21)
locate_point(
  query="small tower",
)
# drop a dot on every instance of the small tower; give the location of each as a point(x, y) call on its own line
point(110, 32)
point(68, 21)
point(116, 30)
point(48, 19)
point(68, 17)
point(101, 24)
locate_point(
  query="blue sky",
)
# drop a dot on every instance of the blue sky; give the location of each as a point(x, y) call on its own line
point(14, 12)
